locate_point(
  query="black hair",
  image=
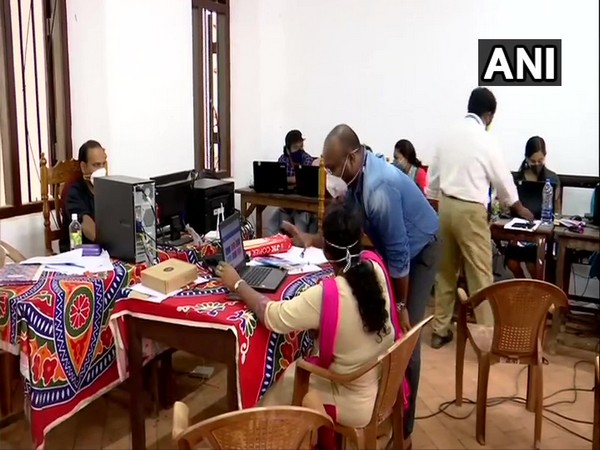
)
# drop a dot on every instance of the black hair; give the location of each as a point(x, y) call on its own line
point(82, 156)
point(342, 227)
point(406, 149)
point(482, 101)
point(534, 144)
point(367, 148)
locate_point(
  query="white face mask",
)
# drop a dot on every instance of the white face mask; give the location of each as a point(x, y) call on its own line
point(97, 173)
point(336, 186)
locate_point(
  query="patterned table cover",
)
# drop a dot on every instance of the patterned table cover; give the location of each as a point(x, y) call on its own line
point(60, 328)
point(262, 356)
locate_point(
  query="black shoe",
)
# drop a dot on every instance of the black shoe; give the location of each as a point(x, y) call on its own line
point(438, 341)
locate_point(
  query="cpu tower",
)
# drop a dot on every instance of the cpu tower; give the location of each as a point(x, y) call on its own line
point(125, 217)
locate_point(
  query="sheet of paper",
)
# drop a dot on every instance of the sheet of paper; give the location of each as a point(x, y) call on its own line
point(74, 262)
point(514, 225)
point(311, 255)
point(309, 268)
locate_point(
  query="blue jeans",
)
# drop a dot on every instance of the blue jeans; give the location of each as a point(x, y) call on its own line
point(304, 221)
point(423, 268)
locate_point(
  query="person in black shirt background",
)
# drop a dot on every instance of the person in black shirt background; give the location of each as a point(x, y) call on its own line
point(80, 195)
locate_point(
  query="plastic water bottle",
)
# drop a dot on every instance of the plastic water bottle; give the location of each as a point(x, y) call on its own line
point(547, 203)
point(75, 235)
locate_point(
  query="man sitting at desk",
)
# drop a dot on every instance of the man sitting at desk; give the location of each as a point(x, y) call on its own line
point(80, 194)
point(293, 155)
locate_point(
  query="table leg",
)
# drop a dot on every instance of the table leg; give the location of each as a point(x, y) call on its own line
point(259, 220)
point(137, 417)
point(232, 402)
point(556, 315)
point(540, 264)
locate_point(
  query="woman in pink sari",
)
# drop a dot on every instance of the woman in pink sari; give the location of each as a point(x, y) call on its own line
point(353, 312)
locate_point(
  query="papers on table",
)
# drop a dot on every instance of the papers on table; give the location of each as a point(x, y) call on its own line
point(294, 261)
point(73, 263)
point(157, 297)
point(517, 224)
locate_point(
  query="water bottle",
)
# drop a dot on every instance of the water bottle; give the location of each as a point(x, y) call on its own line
point(75, 236)
point(547, 203)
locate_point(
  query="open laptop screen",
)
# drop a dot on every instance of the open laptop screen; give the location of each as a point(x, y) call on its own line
point(231, 241)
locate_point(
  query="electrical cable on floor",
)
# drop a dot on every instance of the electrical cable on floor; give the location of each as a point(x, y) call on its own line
point(495, 401)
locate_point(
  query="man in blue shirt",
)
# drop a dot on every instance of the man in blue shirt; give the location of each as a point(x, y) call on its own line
point(400, 223)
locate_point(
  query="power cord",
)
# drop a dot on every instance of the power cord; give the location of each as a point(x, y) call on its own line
point(495, 401)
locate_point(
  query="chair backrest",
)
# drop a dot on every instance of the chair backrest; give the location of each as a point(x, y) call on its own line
point(520, 308)
point(54, 179)
point(9, 251)
point(393, 366)
point(596, 434)
point(283, 427)
point(322, 193)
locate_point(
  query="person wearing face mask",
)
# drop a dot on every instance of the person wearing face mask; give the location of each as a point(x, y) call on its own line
point(293, 155)
point(405, 159)
point(400, 223)
point(533, 168)
point(80, 195)
point(466, 163)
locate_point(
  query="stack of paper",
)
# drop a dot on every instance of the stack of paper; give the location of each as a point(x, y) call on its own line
point(73, 263)
point(296, 260)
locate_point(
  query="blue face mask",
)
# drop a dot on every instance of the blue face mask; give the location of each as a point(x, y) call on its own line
point(297, 156)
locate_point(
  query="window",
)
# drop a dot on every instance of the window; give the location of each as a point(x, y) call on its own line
point(34, 99)
point(212, 143)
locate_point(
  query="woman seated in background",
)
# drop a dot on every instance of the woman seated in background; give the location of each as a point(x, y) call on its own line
point(364, 330)
point(405, 158)
point(533, 168)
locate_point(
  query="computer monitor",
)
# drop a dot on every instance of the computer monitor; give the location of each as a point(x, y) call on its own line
point(531, 194)
point(173, 193)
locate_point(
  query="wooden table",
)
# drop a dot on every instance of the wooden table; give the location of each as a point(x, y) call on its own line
point(541, 237)
point(251, 201)
point(212, 344)
point(588, 240)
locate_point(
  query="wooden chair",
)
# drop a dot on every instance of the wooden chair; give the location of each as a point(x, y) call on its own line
point(8, 361)
point(283, 427)
point(596, 437)
point(519, 308)
point(389, 402)
point(8, 251)
point(53, 181)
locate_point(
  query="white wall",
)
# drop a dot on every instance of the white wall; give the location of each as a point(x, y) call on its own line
point(391, 69)
point(131, 89)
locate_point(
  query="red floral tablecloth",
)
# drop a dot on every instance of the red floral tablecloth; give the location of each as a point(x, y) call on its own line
point(262, 355)
point(59, 327)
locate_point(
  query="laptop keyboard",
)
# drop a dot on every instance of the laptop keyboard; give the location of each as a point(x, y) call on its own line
point(255, 276)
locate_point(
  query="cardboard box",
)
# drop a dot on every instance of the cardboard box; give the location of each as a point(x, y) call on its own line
point(169, 275)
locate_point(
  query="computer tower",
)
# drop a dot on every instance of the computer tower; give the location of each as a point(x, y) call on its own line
point(125, 217)
point(208, 195)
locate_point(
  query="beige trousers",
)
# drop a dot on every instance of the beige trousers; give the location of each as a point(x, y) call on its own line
point(465, 238)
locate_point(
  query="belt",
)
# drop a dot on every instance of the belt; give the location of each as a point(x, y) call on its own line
point(461, 199)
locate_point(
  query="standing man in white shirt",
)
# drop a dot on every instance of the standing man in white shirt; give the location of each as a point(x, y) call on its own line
point(467, 162)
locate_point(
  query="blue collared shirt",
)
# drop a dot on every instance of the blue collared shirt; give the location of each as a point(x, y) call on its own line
point(398, 218)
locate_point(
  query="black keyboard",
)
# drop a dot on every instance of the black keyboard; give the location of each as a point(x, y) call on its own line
point(255, 276)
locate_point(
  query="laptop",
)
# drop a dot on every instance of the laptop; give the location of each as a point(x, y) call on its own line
point(530, 194)
point(270, 177)
point(307, 181)
point(261, 278)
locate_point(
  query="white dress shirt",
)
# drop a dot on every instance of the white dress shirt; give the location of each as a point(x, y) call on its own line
point(466, 162)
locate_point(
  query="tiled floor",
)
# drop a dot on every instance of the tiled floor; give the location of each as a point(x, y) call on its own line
point(105, 425)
